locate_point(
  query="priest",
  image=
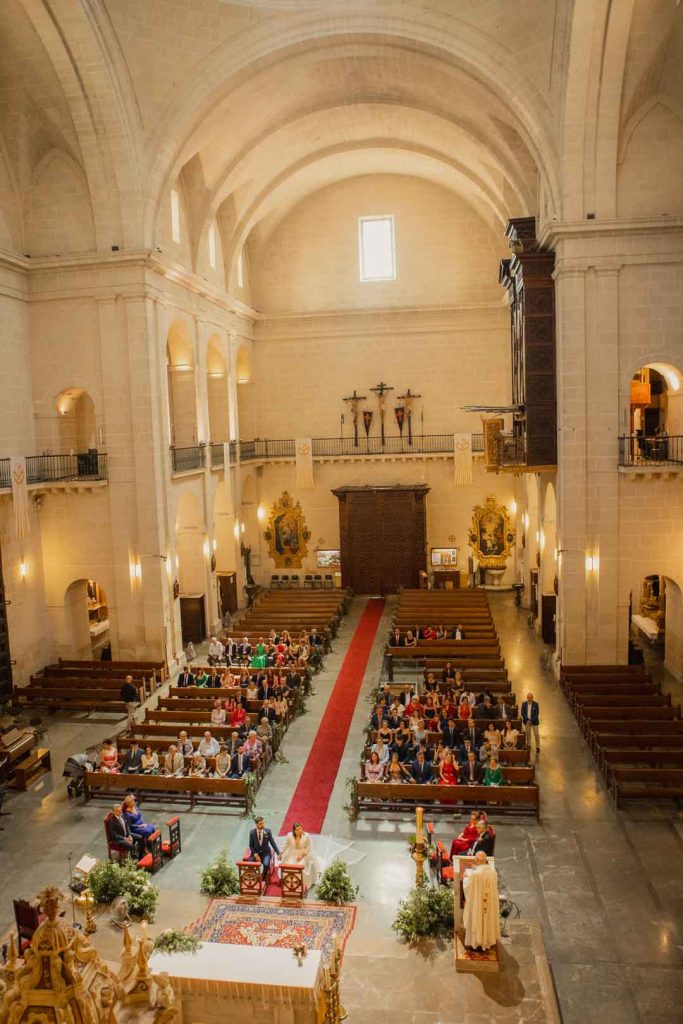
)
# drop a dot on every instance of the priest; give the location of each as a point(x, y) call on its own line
point(481, 917)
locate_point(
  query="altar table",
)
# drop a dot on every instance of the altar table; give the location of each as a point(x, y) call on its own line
point(246, 983)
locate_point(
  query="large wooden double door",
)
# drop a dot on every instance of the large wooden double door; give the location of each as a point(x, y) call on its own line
point(382, 537)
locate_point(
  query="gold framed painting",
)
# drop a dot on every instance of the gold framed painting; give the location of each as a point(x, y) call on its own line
point(287, 535)
point(491, 536)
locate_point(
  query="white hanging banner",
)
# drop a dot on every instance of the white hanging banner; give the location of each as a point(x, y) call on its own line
point(462, 459)
point(227, 475)
point(303, 447)
point(22, 523)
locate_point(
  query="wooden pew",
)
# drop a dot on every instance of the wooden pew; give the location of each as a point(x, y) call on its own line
point(646, 783)
point(167, 789)
point(118, 666)
point(386, 796)
point(58, 698)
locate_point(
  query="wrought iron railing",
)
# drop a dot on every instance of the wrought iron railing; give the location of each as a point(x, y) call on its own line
point(512, 451)
point(54, 469)
point(185, 459)
point(651, 451)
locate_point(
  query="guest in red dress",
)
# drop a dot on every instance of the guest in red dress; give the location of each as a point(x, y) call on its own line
point(464, 709)
point(238, 718)
point(462, 843)
point(449, 771)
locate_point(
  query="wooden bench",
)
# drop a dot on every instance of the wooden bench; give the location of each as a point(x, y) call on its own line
point(646, 783)
point(167, 789)
point(29, 769)
point(386, 796)
point(63, 699)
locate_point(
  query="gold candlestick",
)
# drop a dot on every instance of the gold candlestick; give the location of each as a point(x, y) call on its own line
point(419, 851)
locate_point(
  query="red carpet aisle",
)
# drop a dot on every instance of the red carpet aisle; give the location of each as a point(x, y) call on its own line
point(312, 794)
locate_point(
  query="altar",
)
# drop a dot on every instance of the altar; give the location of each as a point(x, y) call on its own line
point(246, 983)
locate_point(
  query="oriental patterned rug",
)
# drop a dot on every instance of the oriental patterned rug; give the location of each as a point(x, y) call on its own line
point(269, 923)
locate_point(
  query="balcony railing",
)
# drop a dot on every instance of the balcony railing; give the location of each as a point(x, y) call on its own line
point(635, 450)
point(333, 447)
point(55, 469)
point(185, 459)
point(512, 451)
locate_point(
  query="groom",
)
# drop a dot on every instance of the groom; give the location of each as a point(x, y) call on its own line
point(261, 843)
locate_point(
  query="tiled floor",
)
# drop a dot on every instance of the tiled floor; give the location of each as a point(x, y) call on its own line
point(606, 887)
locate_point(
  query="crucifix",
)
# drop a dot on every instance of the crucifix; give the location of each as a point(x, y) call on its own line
point(408, 399)
point(380, 391)
point(355, 401)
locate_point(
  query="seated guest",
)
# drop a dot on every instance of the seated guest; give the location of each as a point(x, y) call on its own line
point(379, 715)
point(431, 684)
point(238, 718)
point(230, 651)
point(252, 746)
point(223, 763)
point(493, 775)
point(440, 633)
point(374, 769)
point(214, 680)
point(244, 649)
point(394, 720)
point(265, 731)
point(421, 769)
point(132, 762)
point(448, 674)
point(216, 651)
point(149, 762)
point(385, 734)
point(449, 772)
point(381, 750)
point(226, 678)
point(457, 633)
point(185, 678)
point(197, 766)
point(268, 711)
point(314, 638)
point(420, 733)
point(218, 714)
point(493, 737)
point(485, 751)
point(429, 633)
point(185, 746)
point(252, 690)
point(484, 710)
point(240, 764)
point(201, 678)
point(471, 732)
point(230, 704)
point(403, 748)
point(464, 839)
point(395, 771)
point(509, 736)
point(484, 840)
point(464, 709)
point(234, 743)
point(450, 733)
point(502, 710)
point(395, 638)
point(139, 829)
point(438, 755)
point(280, 708)
point(466, 748)
point(109, 757)
point(406, 696)
point(120, 833)
point(208, 746)
point(410, 640)
point(471, 773)
point(294, 679)
point(174, 762)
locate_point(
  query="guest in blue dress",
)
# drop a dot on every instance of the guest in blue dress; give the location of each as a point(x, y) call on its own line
point(139, 829)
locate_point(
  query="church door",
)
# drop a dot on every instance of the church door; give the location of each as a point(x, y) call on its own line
point(382, 537)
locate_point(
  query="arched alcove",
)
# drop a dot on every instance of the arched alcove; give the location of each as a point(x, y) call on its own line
point(673, 642)
point(655, 413)
point(217, 392)
point(76, 423)
point(182, 398)
point(548, 541)
point(86, 618)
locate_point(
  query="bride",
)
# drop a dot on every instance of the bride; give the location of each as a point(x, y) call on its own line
point(297, 849)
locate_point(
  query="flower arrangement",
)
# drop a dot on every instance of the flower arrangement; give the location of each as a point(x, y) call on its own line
point(335, 885)
point(174, 941)
point(220, 878)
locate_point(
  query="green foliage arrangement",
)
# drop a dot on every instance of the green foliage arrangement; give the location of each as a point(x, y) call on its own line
point(110, 879)
point(251, 785)
point(335, 885)
point(352, 808)
point(173, 941)
point(425, 911)
point(220, 878)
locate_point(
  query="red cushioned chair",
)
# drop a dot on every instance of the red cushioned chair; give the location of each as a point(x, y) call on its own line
point(444, 865)
point(153, 859)
point(27, 918)
point(172, 846)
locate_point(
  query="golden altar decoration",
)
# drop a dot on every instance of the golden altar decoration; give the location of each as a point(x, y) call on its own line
point(491, 537)
point(287, 534)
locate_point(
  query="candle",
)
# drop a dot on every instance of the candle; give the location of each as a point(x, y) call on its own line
point(419, 812)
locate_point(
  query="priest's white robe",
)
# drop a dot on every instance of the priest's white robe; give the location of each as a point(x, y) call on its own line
point(481, 917)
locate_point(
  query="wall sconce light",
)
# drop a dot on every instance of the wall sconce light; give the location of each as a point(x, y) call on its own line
point(538, 536)
point(261, 513)
point(555, 554)
point(206, 549)
point(135, 571)
point(23, 570)
point(242, 527)
point(541, 540)
point(177, 562)
point(592, 562)
point(215, 544)
point(526, 520)
point(169, 566)
point(513, 507)
point(236, 529)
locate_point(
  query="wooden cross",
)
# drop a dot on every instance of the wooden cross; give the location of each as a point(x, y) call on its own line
point(355, 399)
point(408, 397)
point(380, 390)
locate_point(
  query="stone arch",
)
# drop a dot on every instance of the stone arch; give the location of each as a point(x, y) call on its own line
point(646, 187)
point(59, 216)
point(638, 418)
point(182, 384)
point(86, 619)
point(217, 391)
point(76, 420)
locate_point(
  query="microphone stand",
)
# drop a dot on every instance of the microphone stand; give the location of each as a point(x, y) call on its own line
point(74, 922)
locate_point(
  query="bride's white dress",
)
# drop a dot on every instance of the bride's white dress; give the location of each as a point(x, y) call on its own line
point(300, 851)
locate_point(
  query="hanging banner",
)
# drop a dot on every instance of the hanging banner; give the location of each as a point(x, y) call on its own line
point(400, 413)
point(227, 475)
point(493, 428)
point(367, 420)
point(462, 458)
point(22, 523)
point(303, 447)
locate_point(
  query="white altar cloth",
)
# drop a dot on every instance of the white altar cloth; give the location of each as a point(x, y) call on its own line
point(221, 979)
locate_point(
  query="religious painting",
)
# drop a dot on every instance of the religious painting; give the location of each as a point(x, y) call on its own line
point(491, 537)
point(328, 558)
point(287, 534)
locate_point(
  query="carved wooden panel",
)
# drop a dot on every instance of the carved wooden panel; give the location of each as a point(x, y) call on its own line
point(6, 685)
point(382, 537)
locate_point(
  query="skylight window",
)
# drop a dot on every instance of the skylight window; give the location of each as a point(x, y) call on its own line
point(175, 215)
point(376, 248)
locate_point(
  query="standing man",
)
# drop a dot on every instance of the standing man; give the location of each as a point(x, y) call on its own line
point(261, 843)
point(530, 718)
point(130, 696)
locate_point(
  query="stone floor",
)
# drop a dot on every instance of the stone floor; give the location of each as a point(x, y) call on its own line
point(605, 886)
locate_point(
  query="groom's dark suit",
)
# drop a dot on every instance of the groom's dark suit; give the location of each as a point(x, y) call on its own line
point(260, 845)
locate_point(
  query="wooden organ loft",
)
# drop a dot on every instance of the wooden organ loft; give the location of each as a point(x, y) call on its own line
point(527, 275)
